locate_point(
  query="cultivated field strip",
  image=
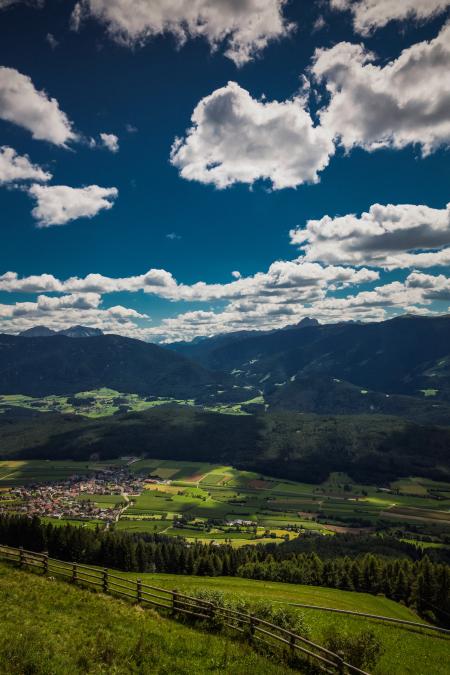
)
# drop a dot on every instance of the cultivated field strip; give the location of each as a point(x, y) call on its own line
point(249, 627)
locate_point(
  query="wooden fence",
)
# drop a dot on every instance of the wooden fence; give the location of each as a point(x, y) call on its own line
point(377, 617)
point(175, 604)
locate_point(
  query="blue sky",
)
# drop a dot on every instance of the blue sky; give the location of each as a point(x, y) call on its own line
point(365, 121)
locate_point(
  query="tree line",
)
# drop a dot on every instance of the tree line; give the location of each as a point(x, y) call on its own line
point(421, 583)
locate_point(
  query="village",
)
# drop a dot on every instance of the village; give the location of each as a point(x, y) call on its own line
point(78, 497)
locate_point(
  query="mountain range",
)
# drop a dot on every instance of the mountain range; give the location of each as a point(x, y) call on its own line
point(41, 366)
point(73, 331)
point(399, 367)
point(372, 400)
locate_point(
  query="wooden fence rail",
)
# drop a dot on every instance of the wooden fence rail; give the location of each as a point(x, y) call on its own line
point(250, 627)
point(389, 619)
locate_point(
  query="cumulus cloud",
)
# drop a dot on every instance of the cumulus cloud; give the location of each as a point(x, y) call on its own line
point(284, 280)
point(245, 27)
point(391, 236)
point(405, 102)
point(110, 141)
point(266, 301)
point(236, 138)
point(412, 296)
point(368, 15)
point(59, 204)
point(431, 287)
point(14, 167)
point(22, 104)
point(68, 310)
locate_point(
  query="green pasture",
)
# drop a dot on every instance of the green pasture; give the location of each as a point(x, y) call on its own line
point(201, 490)
point(105, 402)
point(407, 651)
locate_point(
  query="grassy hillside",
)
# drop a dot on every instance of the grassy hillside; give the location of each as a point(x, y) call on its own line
point(407, 651)
point(50, 627)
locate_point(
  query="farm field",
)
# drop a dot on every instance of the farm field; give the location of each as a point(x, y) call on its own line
point(212, 502)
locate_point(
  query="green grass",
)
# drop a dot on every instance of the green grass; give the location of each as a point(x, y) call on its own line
point(96, 403)
point(407, 651)
point(103, 402)
point(51, 628)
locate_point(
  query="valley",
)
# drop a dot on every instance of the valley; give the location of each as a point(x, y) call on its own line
point(215, 503)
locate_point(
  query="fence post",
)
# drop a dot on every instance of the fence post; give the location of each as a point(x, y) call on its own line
point(45, 562)
point(292, 643)
point(341, 663)
point(139, 590)
point(21, 557)
point(74, 573)
point(174, 600)
point(105, 580)
point(252, 627)
point(212, 613)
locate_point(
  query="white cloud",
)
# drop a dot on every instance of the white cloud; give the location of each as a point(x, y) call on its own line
point(405, 102)
point(22, 104)
point(284, 280)
point(391, 236)
point(59, 204)
point(265, 301)
point(52, 41)
point(235, 138)
point(110, 141)
point(368, 15)
point(430, 286)
point(14, 167)
point(245, 27)
point(412, 296)
point(68, 310)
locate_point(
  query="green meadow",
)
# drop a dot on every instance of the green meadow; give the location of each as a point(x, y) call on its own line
point(406, 650)
point(53, 628)
point(104, 402)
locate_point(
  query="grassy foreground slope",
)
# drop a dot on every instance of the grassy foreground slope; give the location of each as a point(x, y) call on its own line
point(406, 650)
point(51, 628)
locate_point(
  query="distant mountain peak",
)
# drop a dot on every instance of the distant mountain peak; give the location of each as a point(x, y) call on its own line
point(73, 332)
point(303, 323)
point(38, 331)
point(80, 332)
